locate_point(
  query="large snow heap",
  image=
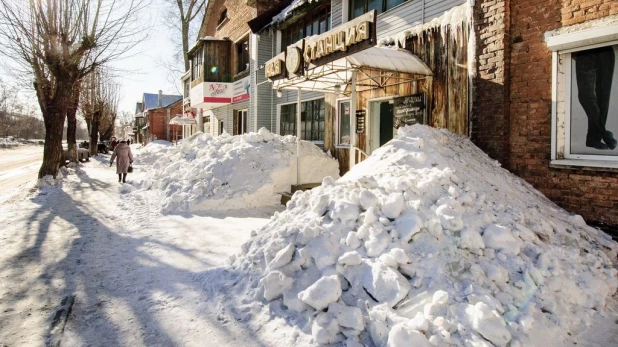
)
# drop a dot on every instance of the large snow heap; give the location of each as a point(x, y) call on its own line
point(206, 173)
point(429, 242)
point(150, 153)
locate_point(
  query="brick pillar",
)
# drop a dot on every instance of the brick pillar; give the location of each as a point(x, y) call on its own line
point(490, 111)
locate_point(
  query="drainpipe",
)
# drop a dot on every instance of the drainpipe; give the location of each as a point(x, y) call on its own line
point(298, 118)
point(352, 158)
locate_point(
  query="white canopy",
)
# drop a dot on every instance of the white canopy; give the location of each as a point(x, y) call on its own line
point(338, 74)
point(182, 120)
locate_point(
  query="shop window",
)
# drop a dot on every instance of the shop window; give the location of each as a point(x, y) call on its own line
point(315, 24)
point(312, 120)
point(343, 123)
point(242, 55)
point(240, 122)
point(585, 91)
point(359, 7)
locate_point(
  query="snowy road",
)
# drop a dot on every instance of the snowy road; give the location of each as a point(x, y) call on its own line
point(19, 166)
point(134, 274)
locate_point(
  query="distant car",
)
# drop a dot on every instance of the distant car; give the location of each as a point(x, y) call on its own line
point(102, 147)
point(82, 154)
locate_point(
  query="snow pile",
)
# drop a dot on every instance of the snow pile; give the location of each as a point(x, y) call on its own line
point(427, 243)
point(206, 173)
point(148, 154)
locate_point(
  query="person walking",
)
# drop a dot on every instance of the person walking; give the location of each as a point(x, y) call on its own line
point(125, 159)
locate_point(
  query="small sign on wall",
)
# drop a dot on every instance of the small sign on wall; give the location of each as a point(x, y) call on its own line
point(409, 110)
point(360, 121)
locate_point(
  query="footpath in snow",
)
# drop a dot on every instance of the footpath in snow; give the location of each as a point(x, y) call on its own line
point(131, 276)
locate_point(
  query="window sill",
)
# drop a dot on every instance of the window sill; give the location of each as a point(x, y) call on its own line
point(588, 165)
point(220, 25)
point(240, 75)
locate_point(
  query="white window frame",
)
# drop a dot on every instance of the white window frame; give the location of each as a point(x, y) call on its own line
point(337, 123)
point(563, 45)
point(291, 103)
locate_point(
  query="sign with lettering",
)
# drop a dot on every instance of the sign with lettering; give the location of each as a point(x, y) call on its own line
point(360, 121)
point(241, 90)
point(274, 68)
point(348, 38)
point(409, 110)
point(351, 37)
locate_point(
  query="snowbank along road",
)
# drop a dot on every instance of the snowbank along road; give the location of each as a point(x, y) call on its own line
point(18, 166)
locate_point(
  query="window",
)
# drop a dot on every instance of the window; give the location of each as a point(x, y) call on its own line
point(222, 16)
point(308, 26)
point(242, 56)
point(585, 85)
point(312, 120)
point(343, 122)
point(220, 127)
point(360, 7)
point(196, 62)
point(240, 122)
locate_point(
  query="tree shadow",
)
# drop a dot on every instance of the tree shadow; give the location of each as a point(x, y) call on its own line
point(102, 287)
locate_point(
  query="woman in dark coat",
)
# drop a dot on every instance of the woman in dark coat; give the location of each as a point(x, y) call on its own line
point(125, 158)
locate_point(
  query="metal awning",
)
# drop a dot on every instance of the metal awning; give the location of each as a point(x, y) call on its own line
point(338, 74)
point(181, 120)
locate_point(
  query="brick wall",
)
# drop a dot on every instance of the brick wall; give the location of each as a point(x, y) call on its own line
point(159, 123)
point(591, 193)
point(490, 114)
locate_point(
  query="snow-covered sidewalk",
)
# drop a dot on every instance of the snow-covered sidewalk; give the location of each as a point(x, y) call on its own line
point(134, 274)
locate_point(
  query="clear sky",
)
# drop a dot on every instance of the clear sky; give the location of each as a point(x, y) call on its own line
point(143, 71)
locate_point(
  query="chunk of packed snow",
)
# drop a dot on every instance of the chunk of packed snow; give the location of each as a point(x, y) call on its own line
point(324, 291)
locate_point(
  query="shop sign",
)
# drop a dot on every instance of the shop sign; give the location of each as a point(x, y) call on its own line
point(348, 38)
point(360, 121)
point(351, 37)
point(241, 90)
point(409, 110)
point(274, 67)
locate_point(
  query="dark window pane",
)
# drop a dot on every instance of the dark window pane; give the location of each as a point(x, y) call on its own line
point(392, 3)
point(357, 8)
point(374, 5)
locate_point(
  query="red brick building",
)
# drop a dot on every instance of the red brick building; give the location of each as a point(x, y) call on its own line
point(527, 113)
point(156, 111)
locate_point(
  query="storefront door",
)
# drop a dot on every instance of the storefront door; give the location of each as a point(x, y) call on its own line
point(381, 127)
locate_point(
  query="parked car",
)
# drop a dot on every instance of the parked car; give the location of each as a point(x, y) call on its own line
point(82, 154)
point(102, 147)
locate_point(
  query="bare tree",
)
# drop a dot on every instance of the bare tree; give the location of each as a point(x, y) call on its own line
point(180, 19)
point(58, 43)
point(99, 105)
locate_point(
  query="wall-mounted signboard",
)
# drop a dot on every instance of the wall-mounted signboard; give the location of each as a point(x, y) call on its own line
point(360, 121)
point(409, 110)
point(351, 37)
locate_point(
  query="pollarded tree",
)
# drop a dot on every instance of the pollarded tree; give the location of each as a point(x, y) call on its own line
point(58, 43)
point(99, 105)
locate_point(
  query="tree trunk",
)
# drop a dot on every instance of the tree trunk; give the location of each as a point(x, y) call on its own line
point(72, 125)
point(52, 149)
point(185, 44)
point(94, 134)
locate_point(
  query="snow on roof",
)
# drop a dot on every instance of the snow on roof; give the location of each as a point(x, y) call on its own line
point(206, 173)
point(427, 242)
point(152, 100)
point(288, 11)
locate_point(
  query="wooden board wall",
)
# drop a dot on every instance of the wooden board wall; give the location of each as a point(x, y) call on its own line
point(446, 90)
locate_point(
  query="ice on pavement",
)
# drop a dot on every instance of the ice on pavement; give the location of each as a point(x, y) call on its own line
point(206, 173)
point(428, 242)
